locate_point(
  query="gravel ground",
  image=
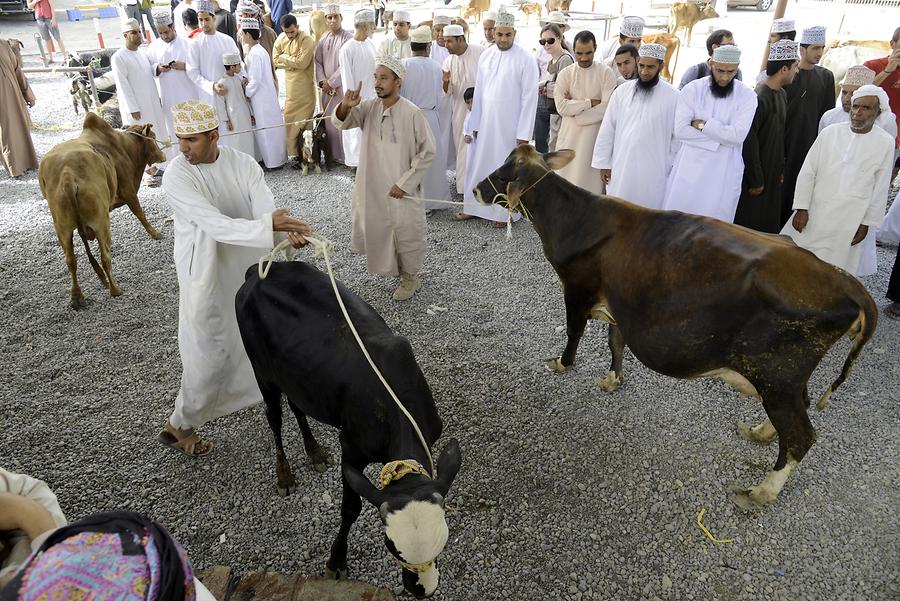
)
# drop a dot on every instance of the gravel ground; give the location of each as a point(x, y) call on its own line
point(565, 492)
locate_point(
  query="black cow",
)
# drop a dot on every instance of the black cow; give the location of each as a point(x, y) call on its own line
point(692, 297)
point(300, 345)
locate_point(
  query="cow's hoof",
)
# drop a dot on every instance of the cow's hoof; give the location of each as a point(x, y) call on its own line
point(555, 364)
point(320, 459)
point(286, 485)
point(318, 170)
point(750, 499)
point(154, 233)
point(304, 170)
point(339, 574)
point(115, 291)
point(610, 383)
point(763, 434)
point(77, 302)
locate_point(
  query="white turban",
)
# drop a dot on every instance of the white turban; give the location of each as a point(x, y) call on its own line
point(441, 20)
point(162, 18)
point(332, 9)
point(130, 25)
point(873, 90)
point(402, 16)
point(394, 64)
point(364, 16)
point(420, 35)
point(452, 31)
point(727, 55)
point(490, 16)
point(231, 58)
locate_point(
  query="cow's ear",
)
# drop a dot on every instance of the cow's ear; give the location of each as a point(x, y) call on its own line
point(361, 486)
point(448, 465)
point(145, 130)
point(559, 159)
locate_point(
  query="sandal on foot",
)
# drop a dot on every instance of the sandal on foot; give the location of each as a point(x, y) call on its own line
point(185, 441)
point(462, 217)
point(892, 310)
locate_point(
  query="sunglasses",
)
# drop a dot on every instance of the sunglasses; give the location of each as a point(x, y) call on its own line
point(548, 41)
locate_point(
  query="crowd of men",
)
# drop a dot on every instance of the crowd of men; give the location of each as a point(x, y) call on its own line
point(780, 157)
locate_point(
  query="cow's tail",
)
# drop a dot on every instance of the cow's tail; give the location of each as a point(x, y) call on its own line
point(675, 60)
point(860, 332)
point(85, 232)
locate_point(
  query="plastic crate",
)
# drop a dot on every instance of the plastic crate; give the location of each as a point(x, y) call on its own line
point(107, 13)
point(73, 14)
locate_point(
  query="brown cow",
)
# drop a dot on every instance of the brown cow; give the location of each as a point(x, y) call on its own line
point(475, 8)
point(692, 297)
point(559, 5)
point(85, 178)
point(530, 8)
point(673, 46)
point(317, 25)
point(684, 15)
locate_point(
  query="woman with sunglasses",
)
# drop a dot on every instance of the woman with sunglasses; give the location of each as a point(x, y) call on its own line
point(547, 120)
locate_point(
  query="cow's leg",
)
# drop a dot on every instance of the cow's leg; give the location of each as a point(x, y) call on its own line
point(796, 435)
point(284, 477)
point(135, 205)
point(613, 379)
point(763, 433)
point(76, 298)
point(104, 242)
point(577, 311)
point(317, 454)
point(351, 505)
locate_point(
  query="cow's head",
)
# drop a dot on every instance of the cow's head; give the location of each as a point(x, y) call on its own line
point(150, 151)
point(523, 169)
point(708, 11)
point(412, 511)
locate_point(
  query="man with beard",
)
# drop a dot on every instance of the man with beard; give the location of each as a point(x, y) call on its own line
point(439, 52)
point(843, 185)
point(398, 45)
point(582, 94)
point(506, 95)
point(809, 97)
point(720, 37)
point(636, 145)
point(397, 150)
point(759, 207)
point(711, 122)
point(625, 62)
point(328, 74)
point(357, 65)
point(490, 20)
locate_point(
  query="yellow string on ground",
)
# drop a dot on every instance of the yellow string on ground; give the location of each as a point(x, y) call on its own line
point(707, 532)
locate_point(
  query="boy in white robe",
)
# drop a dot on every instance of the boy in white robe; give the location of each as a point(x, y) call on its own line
point(234, 110)
point(263, 95)
point(357, 60)
point(843, 184)
point(712, 120)
point(638, 131)
point(397, 150)
point(138, 98)
point(225, 219)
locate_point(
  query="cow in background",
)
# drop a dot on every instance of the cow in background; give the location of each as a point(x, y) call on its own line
point(299, 345)
point(317, 25)
point(559, 5)
point(86, 178)
point(474, 9)
point(684, 15)
point(692, 297)
point(672, 45)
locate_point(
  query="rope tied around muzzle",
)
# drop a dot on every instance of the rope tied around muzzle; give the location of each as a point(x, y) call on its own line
point(514, 204)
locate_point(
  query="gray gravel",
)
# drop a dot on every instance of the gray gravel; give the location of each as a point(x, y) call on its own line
point(565, 492)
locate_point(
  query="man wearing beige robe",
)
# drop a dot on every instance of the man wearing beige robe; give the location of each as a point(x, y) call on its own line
point(396, 150)
point(582, 93)
point(459, 75)
point(294, 51)
point(16, 97)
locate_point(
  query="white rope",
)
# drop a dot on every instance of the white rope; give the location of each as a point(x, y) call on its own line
point(324, 248)
point(509, 216)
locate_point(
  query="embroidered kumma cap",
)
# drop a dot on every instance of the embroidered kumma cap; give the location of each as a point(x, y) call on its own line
point(657, 51)
point(859, 76)
point(784, 50)
point(194, 117)
point(813, 36)
point(391, 63)
point(783, 25)
point(632, 27)
point(727, 55)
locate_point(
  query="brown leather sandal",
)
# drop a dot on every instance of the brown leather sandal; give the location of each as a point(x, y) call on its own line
point(185, 441)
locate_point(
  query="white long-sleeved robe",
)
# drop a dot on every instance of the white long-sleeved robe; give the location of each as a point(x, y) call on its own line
point(843, 184)
point(423, 86)
point(637, 143)
point(399, 49)
point(706, 177)
point(235, 107)
point(173, 85)
point(580, 120)
point(205, 66)
point(868, 263)
point(357, 65)
point(503, 111)
point(439, 53)
point(462, 69)
point(397, 149)
point(136, 91)
point(263, 96)
point(178, 18)
point(223, 224)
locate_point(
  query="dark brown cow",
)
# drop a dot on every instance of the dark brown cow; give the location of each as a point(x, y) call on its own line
point(692, 297)
point(85, 178)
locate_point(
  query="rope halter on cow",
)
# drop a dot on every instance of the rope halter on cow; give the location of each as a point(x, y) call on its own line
point(324, 248)
point(418, 568)
point(394, 470)
point(514, 205)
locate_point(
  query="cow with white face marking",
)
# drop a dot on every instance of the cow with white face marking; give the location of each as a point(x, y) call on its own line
point(299, 344)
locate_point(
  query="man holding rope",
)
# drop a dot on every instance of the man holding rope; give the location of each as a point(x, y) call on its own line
point(396, 150)
point(225, 219)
